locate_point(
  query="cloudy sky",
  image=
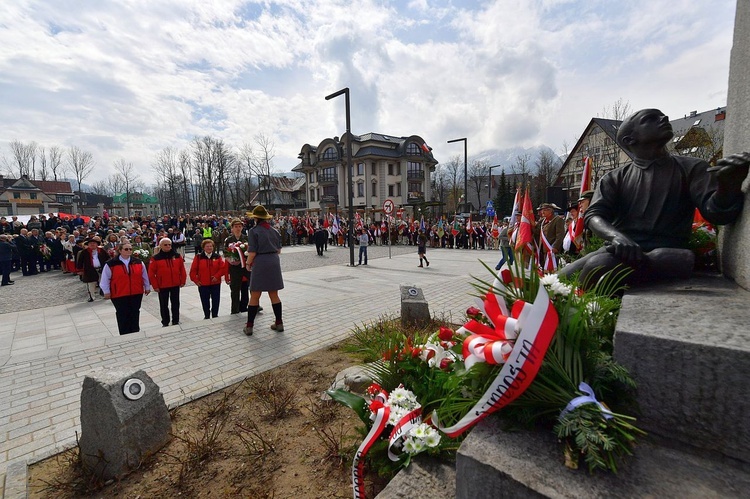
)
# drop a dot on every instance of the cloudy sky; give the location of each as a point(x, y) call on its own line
point(125, 79)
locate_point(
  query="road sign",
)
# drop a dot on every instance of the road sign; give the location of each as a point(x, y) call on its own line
point(388, 206)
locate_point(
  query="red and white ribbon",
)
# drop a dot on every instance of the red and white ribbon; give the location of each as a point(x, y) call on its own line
point(382, 413)
point(537, 323)
point(403, 427)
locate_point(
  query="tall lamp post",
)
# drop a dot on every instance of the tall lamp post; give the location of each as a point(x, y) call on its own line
point(489, 185)
point(466, 169)
point(350, 231)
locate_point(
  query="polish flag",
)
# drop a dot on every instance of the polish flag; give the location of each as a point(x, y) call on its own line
point(586, 176)
point(525, 239)
point(426, 148)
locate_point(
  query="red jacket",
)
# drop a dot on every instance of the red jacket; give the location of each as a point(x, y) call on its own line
point(167, 270)
point(124, 283)
point(204, 268)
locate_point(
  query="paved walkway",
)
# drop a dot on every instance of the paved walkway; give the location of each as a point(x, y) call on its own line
point(45, 353)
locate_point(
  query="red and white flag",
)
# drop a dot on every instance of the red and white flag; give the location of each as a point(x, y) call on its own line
point(550, 262)
point(586, 176)
point(525, 239)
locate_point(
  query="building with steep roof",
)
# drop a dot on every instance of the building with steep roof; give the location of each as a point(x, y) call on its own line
point(280, 194)
point(383, 167)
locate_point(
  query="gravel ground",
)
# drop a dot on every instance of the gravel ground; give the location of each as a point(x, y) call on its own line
point(55, 288)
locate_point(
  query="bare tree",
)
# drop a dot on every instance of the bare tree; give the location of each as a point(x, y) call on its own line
point(166, 167)
point(81, 164)
point(454, 176)
point(521, 168)
point(102, 188)
point(547, 167)
point(439, 185)
point(129, 179)
point(56, 165)
point(478, 177)
point(263, 164)
point(23, 158)
point(43, 164)
point(619, 110)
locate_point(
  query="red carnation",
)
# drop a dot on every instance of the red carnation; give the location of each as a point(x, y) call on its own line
point(473, 312)
point(446, 333)
point(375, 405)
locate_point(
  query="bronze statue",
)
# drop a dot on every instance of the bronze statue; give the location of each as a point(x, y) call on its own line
point(644, 210)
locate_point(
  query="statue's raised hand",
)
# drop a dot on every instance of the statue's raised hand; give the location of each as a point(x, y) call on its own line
point(731, 172)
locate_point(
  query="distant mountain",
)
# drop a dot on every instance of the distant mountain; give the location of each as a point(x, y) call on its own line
point(507, 157)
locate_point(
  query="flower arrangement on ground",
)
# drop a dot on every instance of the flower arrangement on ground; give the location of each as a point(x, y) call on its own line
point(535, 349)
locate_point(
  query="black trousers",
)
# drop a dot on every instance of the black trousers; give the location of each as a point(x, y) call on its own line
point(28, 264)
point(128, 313)
point(239, 289)
point(5, 271)
point(169, 296)
point(210, 299)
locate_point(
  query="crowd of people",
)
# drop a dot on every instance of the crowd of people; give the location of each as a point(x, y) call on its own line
point(124, 258)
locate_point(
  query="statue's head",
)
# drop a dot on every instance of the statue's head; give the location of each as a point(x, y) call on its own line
point(645, 127)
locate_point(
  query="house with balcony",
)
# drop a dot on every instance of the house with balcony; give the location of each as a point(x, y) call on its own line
point(383, 167)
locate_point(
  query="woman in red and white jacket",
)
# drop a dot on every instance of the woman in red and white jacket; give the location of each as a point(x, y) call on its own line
point(167, 275)
point(206, 271)
point(125, 281)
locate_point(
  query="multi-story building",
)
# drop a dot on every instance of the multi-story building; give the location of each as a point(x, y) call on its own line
point(383, 167)
point(696, 134)
point(30, 197)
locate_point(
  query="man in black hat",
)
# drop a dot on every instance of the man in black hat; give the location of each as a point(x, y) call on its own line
point(644, 210)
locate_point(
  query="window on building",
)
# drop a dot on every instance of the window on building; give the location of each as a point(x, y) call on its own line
point(374, 169)
point(32, 195)
point(360, 168)
point(312, 195)
point(327, 174)
point(391, 190)
point(390, 168)
point(398, 188)
point(360, 189)
point(398, 169)
point(329, 190)
point(312, 177)
point(414, 170)
point(415, 187)
point(16, 195)
point(330, 154)
point(374, 190)
point(413, 149)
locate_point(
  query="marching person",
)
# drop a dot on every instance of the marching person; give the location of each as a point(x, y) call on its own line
point(264, 247)
point(422, 248)
point(167, 275)
point(206, 271)
point(125, 281)
point(89, 263)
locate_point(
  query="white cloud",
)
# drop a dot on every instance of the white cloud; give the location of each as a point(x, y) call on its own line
point(127, 79)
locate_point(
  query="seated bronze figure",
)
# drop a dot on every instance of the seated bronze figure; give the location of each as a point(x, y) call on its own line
point(644, 210)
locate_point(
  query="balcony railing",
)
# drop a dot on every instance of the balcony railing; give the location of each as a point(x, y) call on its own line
point(327, 179)
point(415, 175)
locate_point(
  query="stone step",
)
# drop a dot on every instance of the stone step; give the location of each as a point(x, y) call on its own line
point(425, 478)
point(492, 463)
point(687, 345)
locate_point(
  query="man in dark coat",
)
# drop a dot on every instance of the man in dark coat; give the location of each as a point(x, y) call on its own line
point(320, 237)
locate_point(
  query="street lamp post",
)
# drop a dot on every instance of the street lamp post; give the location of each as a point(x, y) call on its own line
point(489, 184)
point(350, 231)
point(466, 168)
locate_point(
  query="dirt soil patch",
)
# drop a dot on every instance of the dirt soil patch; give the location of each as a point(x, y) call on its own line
point(269, 436)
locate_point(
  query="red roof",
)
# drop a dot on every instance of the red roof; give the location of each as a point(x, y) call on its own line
point(52, 186)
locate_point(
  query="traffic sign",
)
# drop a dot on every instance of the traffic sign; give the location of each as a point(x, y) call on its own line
point(388, 206)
